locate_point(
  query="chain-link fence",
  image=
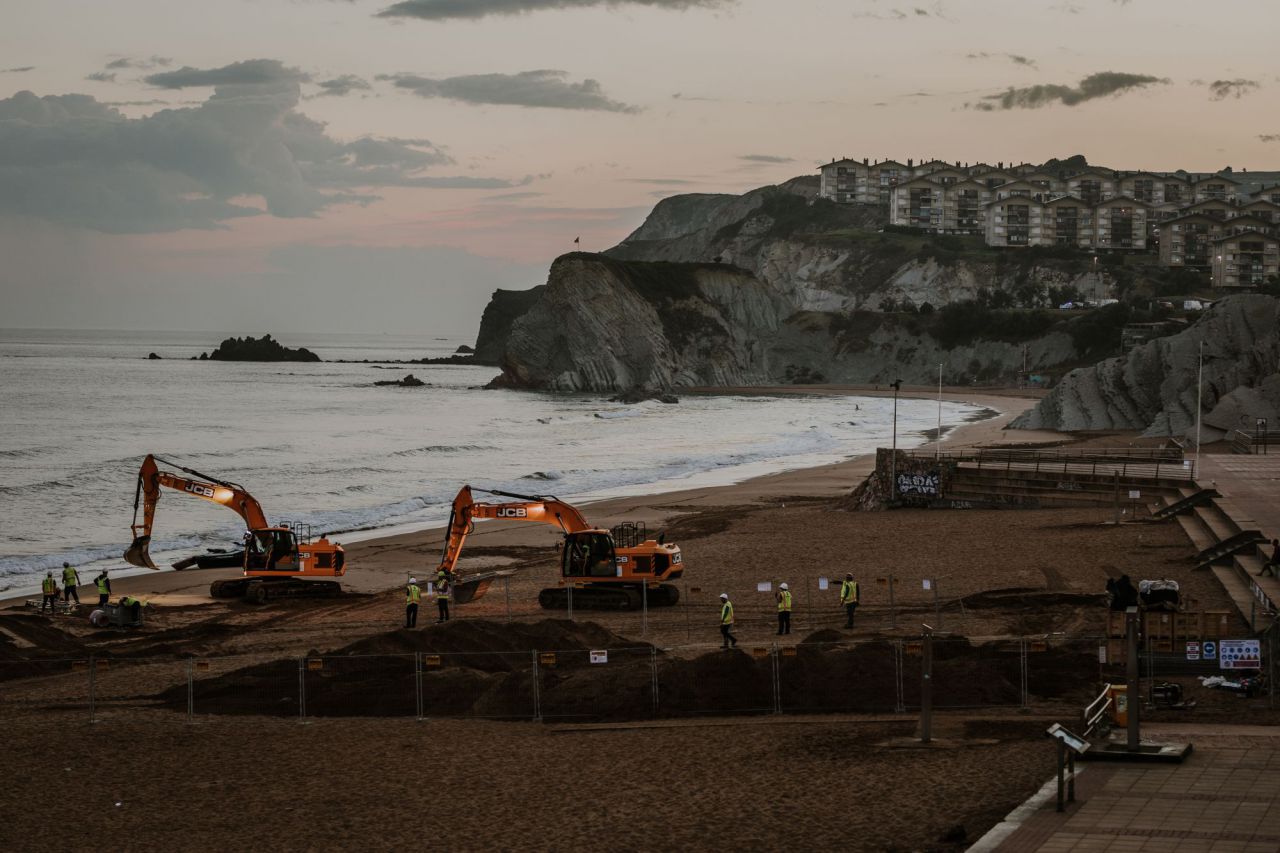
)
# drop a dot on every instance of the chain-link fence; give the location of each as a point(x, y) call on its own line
point(633, 682)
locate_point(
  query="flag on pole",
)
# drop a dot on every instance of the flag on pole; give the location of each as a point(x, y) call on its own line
point(577, 241)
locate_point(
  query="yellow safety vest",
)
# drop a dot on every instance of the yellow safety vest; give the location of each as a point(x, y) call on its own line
point(129, 601)
point(69, 577)
point(414, 594)
point(784, 601)
point(101, 583)
point(49, 585)
point(726, 613)
point(849, 592)
point(442, 591)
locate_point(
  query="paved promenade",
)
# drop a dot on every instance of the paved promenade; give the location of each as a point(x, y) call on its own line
point(1251, 483)
point(1224, 797)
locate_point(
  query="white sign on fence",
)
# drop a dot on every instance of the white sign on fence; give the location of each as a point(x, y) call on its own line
point(1134, 494)
point(823, 583)
point(928, 584)
point(1193, 651)
point(599, 656)
point(1240, 654)
point(764, 586)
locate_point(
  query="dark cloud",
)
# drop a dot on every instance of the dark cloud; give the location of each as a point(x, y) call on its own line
point(765, 158)
point(544, 88)
point(130, 62)
point(18, 70)
point(1015, 58)
point(102, 77)
point(442, 10)
point(1222, 89)
point(520, 196)
point(1269, 137)
point(342, 85)
point(73, 160)
point(251, 72)
point(1100, 85)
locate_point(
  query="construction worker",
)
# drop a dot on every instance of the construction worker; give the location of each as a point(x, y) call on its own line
point(104, 588)
point(444, 591)
point(849, 598)
point(784, 609)
point(70, 580)
point(726, 621)
point(49, 587)
point(412, 598)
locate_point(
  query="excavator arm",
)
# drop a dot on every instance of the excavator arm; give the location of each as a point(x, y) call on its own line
point(151, 479)
point(544, 510)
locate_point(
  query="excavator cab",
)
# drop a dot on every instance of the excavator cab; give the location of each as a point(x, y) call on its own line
point(270, 549)
point(589, 554)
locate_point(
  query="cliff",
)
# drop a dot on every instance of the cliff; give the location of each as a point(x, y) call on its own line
point(777, 285)
point(608, 325)
point(1153, 388)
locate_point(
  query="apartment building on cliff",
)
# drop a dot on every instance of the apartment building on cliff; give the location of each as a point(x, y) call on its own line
point(1091, 209)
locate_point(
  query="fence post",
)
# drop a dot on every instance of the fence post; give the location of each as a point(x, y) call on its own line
point(506, 591)
point(191, 689)
point(537, 700)
point(688, 629)
point(1271, 667)
point(776, 679)
point(653, 674)
point(1026, 699)
point(417, 682)
point(570, 599)
point(644, 604)
point(900, 705)
point(93, 675)
point(893, 607)
point(926, 687)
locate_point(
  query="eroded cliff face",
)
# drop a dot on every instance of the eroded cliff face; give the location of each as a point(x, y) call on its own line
point(1154, 387)
point(607, 325)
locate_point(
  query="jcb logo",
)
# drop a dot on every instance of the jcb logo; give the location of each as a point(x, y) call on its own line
point(677, 558)
point(513, 512)
point(200, 489)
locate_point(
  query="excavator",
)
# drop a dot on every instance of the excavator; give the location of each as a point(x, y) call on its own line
point(616, 569)
point(279, 560)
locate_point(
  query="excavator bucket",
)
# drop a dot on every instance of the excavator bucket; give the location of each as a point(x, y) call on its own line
point(466, 590)
point(139, 553)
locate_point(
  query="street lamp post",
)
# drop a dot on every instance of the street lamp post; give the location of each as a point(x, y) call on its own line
point(1199, 398)
point(896, 385)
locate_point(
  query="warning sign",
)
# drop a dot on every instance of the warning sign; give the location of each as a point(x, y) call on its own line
point(431, 660)
point(764, 586)
point(599, 656)
point(1193, 651)
point(824, 583)
point(1240, 654)
point(547, 658)
point(1209, 650)
point(315, 664)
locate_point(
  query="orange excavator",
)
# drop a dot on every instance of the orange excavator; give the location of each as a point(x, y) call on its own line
point(617, 569)
point(279, 560)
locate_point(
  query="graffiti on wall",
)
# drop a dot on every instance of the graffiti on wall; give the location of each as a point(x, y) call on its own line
point(923, 484)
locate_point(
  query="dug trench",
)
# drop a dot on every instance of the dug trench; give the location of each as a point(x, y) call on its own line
point(487, 669)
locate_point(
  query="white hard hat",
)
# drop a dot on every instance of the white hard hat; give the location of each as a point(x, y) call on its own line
point(782, 586)
point(413, 580)
point(724, 595)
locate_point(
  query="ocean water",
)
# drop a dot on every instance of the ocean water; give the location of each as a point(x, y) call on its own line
point(319, 443)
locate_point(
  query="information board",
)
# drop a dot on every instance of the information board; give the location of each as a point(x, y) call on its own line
point(1239, 654)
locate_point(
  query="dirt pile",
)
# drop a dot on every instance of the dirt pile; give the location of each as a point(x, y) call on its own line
point(487, 669)
point(26, 642)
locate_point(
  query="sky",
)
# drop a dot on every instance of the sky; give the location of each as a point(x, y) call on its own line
point(383, 166)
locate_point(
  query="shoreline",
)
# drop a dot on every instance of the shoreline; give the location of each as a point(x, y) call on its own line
point(383, 559)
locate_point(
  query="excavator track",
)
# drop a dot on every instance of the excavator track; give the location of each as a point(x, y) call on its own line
point(612, 597)
point(262, 590)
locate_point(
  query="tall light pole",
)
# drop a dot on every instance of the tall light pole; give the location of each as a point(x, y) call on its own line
point(893, 453)
point(937, 439)
point(1199, 397)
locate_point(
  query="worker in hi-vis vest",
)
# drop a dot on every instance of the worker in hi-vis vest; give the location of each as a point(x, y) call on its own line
point(849, 598)
point(726, 621)
point(70, 580)
point(412, 598)
point(49, 588)
point(784, 609)
point(104, 588)
point(444, 592)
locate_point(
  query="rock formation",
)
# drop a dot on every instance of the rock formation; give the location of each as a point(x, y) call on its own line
point(1153, 388)
point(410, 381)
point(258, 349)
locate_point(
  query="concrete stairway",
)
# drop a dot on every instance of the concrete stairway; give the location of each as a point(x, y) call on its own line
point(1216, 522)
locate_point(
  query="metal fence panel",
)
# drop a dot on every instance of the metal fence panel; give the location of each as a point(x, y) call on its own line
point(830, 677)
